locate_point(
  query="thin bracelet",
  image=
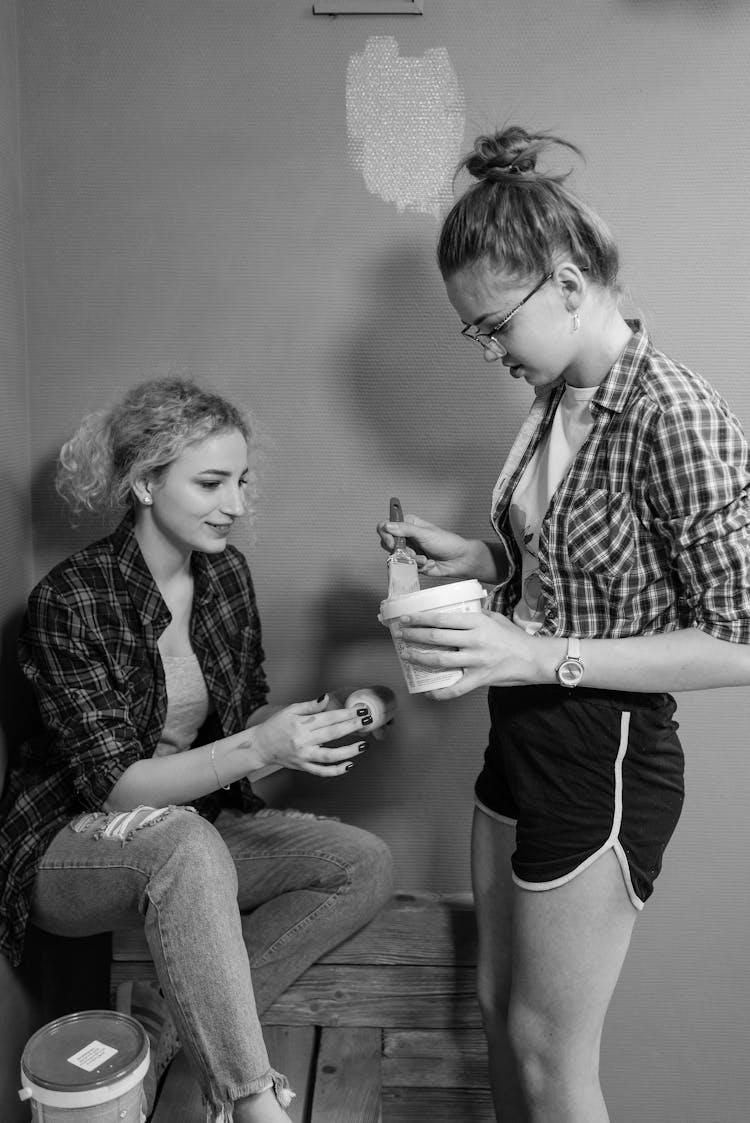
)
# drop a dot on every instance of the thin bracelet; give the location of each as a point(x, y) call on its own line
point(224, 787)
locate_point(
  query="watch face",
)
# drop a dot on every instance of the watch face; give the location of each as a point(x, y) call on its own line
point(570, 672)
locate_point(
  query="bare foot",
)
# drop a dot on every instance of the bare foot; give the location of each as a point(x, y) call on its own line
point(263, 1108)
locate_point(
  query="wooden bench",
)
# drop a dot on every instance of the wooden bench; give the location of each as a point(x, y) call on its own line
point(383, 1029)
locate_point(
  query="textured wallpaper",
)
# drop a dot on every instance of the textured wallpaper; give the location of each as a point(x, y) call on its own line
point(15, 541)
point(252, 192)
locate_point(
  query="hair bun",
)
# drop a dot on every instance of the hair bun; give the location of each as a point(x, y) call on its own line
point(509, 153)
point(520, 215)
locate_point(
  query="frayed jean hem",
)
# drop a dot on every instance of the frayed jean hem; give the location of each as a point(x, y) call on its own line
point(224, 1112)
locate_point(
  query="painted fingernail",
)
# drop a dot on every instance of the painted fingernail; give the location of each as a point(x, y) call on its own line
point(363, 711)
point(321, 699)
point(367, 720)
point(349, 765)
point(361, 747)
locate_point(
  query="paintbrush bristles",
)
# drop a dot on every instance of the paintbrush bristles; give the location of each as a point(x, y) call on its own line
point(403, 575)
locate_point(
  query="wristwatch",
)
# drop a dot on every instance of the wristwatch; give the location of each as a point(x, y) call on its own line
point(570, 670)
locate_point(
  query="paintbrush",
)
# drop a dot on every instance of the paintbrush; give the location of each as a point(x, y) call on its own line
point(403, 575)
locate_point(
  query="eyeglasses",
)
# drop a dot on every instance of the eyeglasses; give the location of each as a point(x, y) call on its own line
point(487, 339)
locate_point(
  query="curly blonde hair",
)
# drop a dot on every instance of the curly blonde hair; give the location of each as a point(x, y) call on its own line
point(139, 439)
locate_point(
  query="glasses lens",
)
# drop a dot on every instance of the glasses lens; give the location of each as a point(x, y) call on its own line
point(491, 344)
point(486, 342)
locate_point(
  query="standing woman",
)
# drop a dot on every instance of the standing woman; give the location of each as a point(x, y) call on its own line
point(144, 654)
point(621, 573)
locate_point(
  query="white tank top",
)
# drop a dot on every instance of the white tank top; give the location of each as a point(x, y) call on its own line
point(542, 476)
point(187, 703)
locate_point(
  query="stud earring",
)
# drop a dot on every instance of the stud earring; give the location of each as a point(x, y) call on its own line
point(576, 322)
point(147, 500)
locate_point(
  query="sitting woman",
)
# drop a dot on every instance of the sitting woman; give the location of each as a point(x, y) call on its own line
point(144, 654)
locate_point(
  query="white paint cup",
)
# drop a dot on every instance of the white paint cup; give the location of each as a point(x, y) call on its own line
point(460, 596)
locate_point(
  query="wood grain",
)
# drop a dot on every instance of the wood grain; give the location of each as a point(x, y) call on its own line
point(385, 1028)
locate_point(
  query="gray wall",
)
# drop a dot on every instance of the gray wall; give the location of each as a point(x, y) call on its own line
point(16, 1015)
point(15, 539)
point(199, 192)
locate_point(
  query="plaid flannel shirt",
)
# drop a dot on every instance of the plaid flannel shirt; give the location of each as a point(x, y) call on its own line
point(88, 648)
point(650, 529)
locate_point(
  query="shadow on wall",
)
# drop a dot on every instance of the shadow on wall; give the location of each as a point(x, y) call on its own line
point(430, 399)
point(15, 697)
point(351, 650)
point(57, 532)
point(430, 407)
point(432, 748)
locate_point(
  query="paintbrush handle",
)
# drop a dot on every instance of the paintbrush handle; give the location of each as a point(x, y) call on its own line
point(397, 515)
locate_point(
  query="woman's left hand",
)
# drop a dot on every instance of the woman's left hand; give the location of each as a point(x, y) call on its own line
point(489, 648)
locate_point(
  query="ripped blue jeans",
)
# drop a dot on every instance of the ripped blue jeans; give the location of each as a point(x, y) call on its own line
point(233, 912)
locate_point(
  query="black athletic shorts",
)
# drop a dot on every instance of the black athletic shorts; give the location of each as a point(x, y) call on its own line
point(580, 772)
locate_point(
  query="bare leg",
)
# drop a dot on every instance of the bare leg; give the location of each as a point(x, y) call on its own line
point(569, 945)
point(263, 1108)
point(493, 843)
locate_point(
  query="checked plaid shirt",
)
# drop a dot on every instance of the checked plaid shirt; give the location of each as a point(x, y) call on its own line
point(88, 648)
point(650, 529)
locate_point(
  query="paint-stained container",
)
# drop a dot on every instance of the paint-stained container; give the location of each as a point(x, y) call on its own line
point(459, 596)
point(86, 1068)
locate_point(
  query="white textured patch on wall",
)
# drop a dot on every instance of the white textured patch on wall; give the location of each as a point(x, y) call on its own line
point(405, 124)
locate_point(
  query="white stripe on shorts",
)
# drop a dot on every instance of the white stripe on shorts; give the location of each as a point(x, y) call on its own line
point(612, 843)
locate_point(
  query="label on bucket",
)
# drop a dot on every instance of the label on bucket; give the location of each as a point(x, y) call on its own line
point(461, 596)
point(92, 1055)
point(419, 679)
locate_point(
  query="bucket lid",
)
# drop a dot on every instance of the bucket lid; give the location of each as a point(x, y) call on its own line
point(84, 1051)
point(439, 596)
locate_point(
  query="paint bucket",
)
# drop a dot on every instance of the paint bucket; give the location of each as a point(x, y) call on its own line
point(86, 1068)
point(460, 596)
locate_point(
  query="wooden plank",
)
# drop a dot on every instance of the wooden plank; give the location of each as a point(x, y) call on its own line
point(129, 944)
point(180, 1098)
point(412, 928)
point(412, 971)
point(437, 1105)
point(328, 994)
point(347, 1087)
point(123, 971)
point(450, 1058)
point(416, 997)
point(292, 1050)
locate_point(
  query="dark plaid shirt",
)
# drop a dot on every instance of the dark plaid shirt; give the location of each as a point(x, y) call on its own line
point(650, 529)
point(88, 648)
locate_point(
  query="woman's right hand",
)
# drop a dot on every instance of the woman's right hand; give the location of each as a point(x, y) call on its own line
point(294, 737)
point(438, 552)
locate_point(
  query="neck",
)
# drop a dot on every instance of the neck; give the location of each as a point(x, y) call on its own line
point(167, 562)
point(606, 338)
